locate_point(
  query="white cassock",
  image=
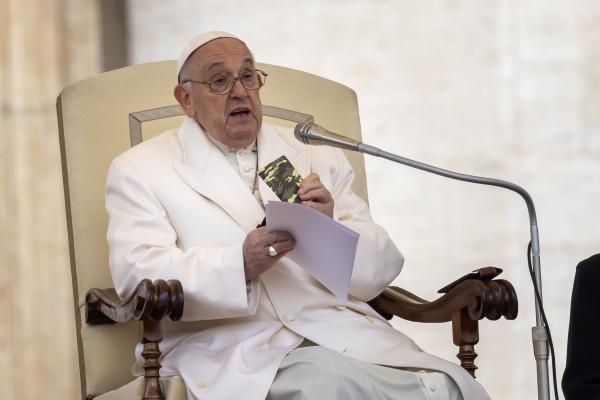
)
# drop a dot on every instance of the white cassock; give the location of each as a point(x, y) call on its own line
point(178, 210)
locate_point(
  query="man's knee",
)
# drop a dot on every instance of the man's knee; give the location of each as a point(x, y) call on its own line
point(313, 373)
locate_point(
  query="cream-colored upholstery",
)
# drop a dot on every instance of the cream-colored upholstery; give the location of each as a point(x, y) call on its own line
point(94, 127)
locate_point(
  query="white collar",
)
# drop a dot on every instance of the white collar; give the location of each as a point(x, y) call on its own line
point(225, 149)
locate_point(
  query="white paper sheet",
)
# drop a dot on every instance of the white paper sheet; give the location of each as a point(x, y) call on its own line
point(324, 247)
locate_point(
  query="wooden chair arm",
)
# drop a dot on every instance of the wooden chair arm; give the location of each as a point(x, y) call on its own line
point(150, 303)
point(466, 301)
point(483, 299)
point(149, 300)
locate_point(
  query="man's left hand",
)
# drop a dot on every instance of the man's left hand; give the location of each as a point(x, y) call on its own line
point(314, 195)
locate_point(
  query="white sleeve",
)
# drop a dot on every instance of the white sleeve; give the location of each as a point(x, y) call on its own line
point(143, 244)
point(378, 261)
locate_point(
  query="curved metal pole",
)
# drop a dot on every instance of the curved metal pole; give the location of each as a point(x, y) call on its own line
point(538, 333)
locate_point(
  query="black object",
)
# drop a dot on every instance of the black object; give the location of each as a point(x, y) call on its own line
point(581, 379)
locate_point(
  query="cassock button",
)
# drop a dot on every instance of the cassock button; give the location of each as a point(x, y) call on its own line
point(247, 168)
point(432, 388)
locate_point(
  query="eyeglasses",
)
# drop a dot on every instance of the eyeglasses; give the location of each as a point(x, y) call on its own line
point(251, 80)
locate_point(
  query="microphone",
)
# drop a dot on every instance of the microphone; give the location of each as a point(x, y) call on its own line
point(310, 133)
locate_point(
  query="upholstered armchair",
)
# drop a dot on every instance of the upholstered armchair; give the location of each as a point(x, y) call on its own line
point(101, 117)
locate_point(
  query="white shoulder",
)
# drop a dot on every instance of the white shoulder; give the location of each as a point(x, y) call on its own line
point(162, 149)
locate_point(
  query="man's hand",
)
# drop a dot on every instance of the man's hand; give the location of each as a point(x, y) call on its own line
point(256, 250)
point(314, 195)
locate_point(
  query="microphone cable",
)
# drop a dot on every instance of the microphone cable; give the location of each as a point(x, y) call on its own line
point(544, 319)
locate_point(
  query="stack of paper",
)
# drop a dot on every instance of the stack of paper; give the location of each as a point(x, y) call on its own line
point(324, 247)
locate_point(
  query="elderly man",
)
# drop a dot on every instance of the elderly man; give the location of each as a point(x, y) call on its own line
point(186, 204)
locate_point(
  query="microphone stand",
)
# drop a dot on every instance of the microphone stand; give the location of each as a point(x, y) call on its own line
point(310, 133)
point(538, 333)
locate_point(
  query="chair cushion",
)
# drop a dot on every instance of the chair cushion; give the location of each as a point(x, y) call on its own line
point(108, 370)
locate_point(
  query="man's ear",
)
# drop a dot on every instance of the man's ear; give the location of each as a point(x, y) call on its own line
point(185, 101)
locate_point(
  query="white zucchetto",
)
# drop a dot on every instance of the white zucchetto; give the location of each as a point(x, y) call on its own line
point(199, 41)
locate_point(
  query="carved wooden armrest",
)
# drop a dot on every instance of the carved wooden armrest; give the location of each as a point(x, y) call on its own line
point(150, 302)
point(464, 302)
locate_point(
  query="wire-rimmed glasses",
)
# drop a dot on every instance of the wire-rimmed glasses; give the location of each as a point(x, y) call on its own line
point(251, 80)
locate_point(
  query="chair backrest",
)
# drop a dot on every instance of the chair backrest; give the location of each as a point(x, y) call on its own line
point(94, 117)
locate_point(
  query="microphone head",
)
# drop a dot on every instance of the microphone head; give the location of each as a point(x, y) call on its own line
point(310, 133)
point(301, 131)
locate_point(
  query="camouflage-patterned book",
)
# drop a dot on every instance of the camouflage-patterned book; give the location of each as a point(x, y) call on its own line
point(283, 179)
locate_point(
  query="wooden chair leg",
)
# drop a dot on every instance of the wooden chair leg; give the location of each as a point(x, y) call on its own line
point(465, 334)
point(151, 353)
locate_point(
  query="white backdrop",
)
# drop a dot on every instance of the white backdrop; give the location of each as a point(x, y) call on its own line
point(495, 88)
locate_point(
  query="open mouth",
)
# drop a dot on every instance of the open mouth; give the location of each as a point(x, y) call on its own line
point(240, 112)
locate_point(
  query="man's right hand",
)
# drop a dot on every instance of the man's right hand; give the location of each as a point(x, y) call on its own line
point(256, 250)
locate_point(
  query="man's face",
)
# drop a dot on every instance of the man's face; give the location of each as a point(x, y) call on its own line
point(233, 118)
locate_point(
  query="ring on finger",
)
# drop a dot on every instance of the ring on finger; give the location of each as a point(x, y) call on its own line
point(272, 251)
